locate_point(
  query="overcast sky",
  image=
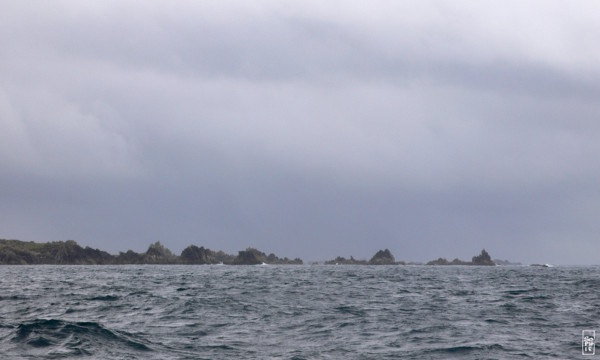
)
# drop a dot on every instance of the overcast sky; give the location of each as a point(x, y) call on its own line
point(304, 128)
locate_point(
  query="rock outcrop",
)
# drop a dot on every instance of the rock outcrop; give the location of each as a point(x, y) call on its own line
point(439, 261)
point(158, 254)
point(482, 259)
point(340, 260)
point(252, 256)
point(129, 257)
point(383, 257)
point(274, 260)
point(198, 255)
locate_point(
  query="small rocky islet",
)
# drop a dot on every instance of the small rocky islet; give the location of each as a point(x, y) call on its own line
point(382, 257)
point(483, 259)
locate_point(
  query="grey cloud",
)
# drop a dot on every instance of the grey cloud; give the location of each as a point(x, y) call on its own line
point(301, 132)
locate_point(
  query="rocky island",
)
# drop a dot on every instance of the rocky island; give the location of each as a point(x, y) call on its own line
point(16, 252)
point(381, 257)
point(482, 259)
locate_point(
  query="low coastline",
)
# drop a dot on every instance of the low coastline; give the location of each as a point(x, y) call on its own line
point(17, 252)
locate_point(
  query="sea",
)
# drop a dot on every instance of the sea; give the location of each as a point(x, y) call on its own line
point(298, 312)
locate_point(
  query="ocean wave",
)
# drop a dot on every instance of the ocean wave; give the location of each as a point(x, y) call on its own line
point(74, 338)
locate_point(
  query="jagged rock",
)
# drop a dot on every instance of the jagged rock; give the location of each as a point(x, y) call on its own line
point(129, 257)
point(340, 260)
point(483, 259)
point(158, 254)
point(382, 257)
point(198, 255)
point(250, 256)
point(274, 260)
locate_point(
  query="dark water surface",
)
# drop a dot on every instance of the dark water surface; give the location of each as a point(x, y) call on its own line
point(296, 312)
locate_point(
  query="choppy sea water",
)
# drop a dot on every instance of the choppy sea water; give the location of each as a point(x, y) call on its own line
point(296, 312)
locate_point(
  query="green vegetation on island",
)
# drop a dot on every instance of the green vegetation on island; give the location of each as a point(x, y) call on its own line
point(16, 252)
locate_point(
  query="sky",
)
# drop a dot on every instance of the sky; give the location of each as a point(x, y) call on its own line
point(309, 129)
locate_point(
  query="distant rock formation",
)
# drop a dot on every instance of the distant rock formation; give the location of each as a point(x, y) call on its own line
point(272, 259)
point(158, 254)
point(194, 255)
point(252, 256)
point(381, 257)
point(482, 259)
point(439, 261)
point(384, 257)
point(340, 260)
point(129, 257)
point(198, 256)
point(15, 252)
